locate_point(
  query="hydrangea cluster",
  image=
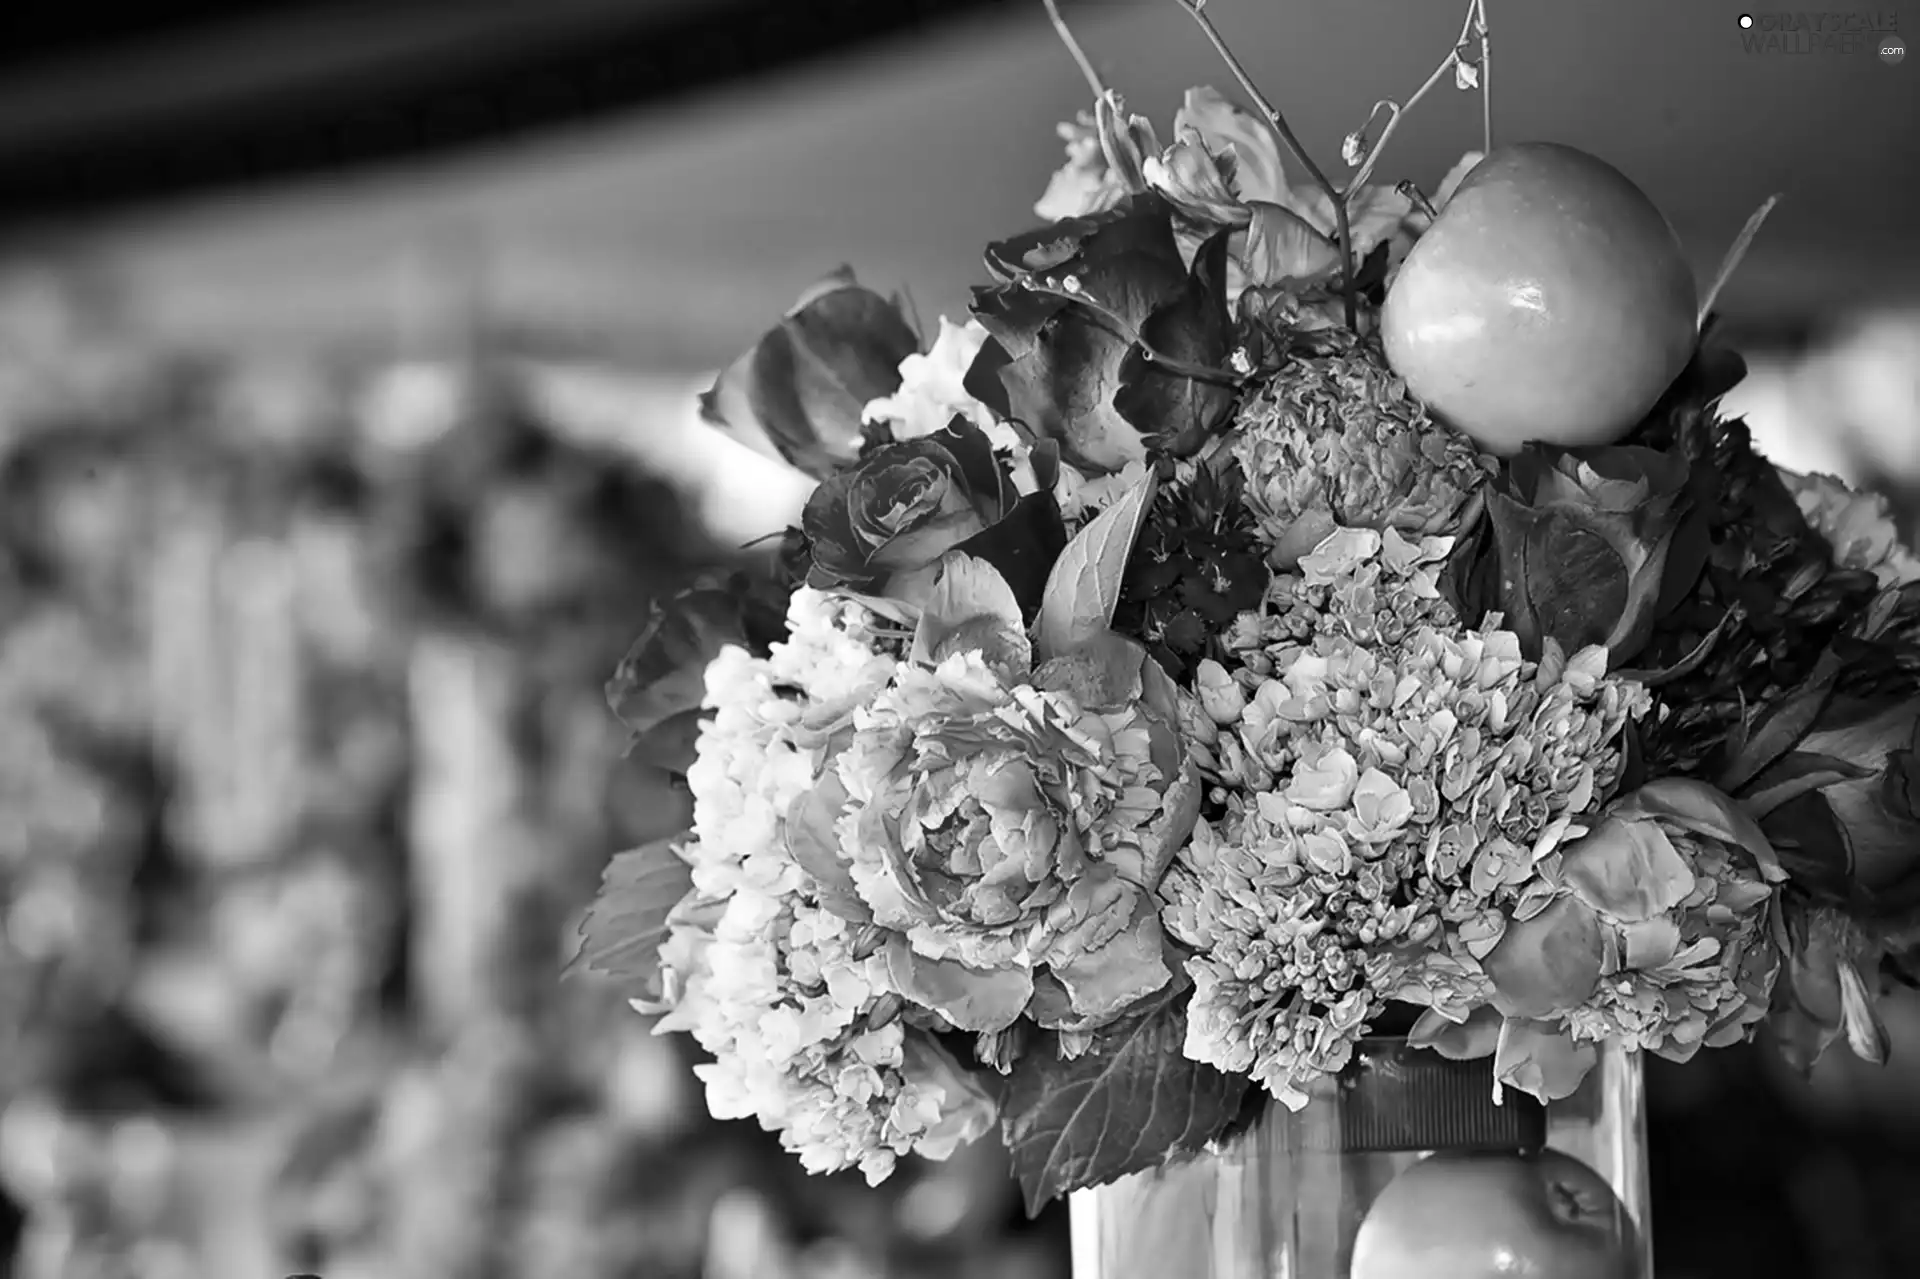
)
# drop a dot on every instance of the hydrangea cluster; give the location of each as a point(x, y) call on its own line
point(1390, 781)
point(1338, 441)
point(795, 1002)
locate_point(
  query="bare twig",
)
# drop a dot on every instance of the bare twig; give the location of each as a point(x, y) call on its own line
point(1278, 123)
point(1486, 78)
point(1073, 46)
point(1397, 111)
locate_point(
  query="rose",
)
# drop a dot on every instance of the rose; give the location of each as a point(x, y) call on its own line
point(1653, 927)
point(798, 394)
point(1595, 545)
point(1007, 825)
point(882, 527)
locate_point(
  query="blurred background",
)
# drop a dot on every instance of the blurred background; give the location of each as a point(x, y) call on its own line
point(347, 362)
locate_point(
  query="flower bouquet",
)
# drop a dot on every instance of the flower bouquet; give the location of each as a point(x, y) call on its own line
point(1278, 712)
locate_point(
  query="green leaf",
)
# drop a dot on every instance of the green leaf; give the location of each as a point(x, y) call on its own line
point(1782, 727)
point(1130, 1102)
point(1084, 587)
point(621, 934)
point(1794, 775)
point(972, 609)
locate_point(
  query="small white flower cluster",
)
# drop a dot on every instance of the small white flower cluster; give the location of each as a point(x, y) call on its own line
point(792, 1000)
point(1390, 781)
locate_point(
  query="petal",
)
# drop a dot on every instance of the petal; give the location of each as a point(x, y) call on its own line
point(1540, 1061)
point(1476, 1037)
point(1627, 870)
point(1103, 981)
point(812, 842)
point(970, 998)
point(1704, 810)
point(1549, 963)
point(1257, 170)
point(1283, 246)
point(1650, 943)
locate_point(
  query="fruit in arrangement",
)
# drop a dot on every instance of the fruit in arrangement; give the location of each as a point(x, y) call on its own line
point(1474, 1215)
point(1550, 300)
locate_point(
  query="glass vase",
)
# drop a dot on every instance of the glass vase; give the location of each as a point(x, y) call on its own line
point(1327, 1193)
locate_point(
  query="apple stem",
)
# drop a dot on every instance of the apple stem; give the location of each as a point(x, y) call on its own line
point(1080, 58)
point(1278, 123)
point(1475, 20)
point(1418, 199)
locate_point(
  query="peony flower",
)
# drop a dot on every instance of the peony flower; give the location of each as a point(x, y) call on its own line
point(1861, 527)
point(1337, 440)
point(882, 526)
point(1594, 544)
point(1008, 825)
point(798, 394)
point(1655, 934)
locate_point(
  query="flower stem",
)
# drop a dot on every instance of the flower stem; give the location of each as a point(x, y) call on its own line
point(1278, 123)
point(1080, 58)
point(1397, 111)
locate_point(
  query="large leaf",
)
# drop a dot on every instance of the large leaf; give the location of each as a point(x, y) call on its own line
point(623, 929)
point(1084, 587)
point(1783, 726)
point(1173, 411)
point(1131, 1102)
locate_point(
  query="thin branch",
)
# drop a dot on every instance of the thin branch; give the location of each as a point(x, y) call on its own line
point(1396, 111)
point(1486, 78)
point(1278, 123)
point(1073, 46)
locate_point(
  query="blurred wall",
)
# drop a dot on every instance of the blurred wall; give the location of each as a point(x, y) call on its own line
point(677, 234)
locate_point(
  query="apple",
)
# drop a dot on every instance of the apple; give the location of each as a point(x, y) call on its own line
point(1475, 1215)
point(1550, 300)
